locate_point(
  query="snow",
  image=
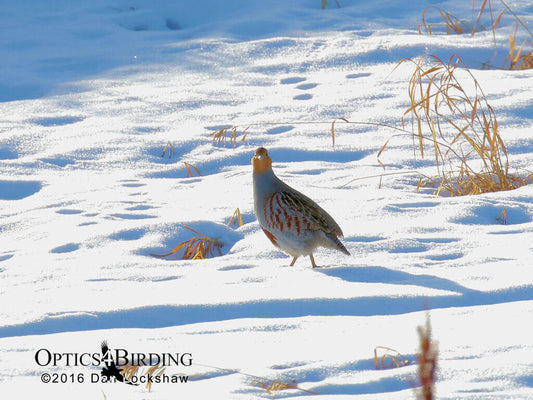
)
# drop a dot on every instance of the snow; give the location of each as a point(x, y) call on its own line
point(90, 94)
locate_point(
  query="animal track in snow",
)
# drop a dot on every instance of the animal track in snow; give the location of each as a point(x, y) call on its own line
point(280, 129)
point(131, 234)
point(133, 185)
point(69, 211)
point(66, 248)
point(292, 80)
point(132, 216)
point(445, 257)
point(359, 75)
point(57, 121)
point(306, 96)
point(307, 86)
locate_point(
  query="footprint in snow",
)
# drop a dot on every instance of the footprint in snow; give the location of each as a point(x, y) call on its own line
point(132, 216)
point(359, 75)
point(292, 80)
point(66, 248)
point(306, 96)
point(445, 257)
point(280, 129)
point(69, 211)
point(130, 234)
point(307, 86)
point(57, 121)
point(133, 185)
point(58, 161)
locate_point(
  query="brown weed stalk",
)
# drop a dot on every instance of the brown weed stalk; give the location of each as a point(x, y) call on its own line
point(427, 363)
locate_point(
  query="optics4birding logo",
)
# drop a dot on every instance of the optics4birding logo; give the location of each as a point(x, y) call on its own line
point(118, 365)
point(111, 371)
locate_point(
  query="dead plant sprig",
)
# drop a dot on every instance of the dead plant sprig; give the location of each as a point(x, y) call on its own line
point(427, 362)
point(236, 218)
point(170, 149)
point(269, 385)
point(460, 125)
point(153, 371)
point(274, 385)
point(454, 25)
point(386, 358)
point(221, 136)
point(450, 22)
point(517, 58)
point(190, 168)
point(197, 248)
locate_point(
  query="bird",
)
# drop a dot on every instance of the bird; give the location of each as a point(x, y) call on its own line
point(291, 220)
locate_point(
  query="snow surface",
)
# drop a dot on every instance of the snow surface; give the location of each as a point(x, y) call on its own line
point(92, 91)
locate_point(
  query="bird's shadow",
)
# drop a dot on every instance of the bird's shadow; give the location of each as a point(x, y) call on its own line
point(377, 274)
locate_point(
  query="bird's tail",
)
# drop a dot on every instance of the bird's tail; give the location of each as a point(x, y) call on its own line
point(337, 244)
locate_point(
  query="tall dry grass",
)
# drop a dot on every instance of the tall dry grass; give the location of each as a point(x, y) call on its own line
point(449, 114)
point(519, 55)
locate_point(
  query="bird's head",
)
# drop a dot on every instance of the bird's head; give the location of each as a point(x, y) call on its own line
point(261, 161)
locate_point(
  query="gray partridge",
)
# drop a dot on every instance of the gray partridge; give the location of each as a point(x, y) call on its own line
point(292, 221)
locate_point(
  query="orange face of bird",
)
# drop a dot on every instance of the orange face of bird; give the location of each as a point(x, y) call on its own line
point(261, 161)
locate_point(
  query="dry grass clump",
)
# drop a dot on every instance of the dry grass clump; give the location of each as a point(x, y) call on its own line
point(220, 137)
point(387, 358)
point(269, 385)
point(427, 363)
point(197, 248)
point(154, 371)
point(454, 25)
point(449, 111)
point(518, 57)
point(202, 246)
point(223, 136)
point(274, 385)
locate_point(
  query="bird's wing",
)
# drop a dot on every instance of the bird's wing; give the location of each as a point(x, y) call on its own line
point(292, 210)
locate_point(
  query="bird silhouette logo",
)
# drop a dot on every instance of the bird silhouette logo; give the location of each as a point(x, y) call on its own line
point(111, 371)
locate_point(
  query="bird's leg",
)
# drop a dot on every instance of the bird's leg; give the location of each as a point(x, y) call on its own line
point(293, 261)
point(312, 261)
